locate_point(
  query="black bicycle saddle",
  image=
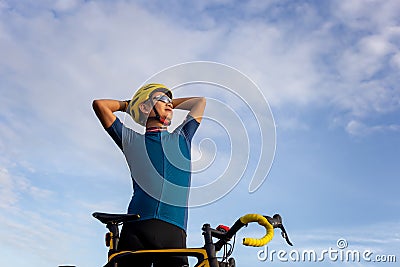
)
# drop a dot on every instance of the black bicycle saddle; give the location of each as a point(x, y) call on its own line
point(107, 218)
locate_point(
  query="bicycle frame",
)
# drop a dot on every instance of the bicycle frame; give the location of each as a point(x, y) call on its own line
point(202, 254)
point(206, 256)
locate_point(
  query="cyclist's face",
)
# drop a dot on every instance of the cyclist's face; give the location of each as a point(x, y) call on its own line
point(163, 104)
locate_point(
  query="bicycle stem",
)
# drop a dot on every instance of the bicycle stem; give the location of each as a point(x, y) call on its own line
point(209, 246)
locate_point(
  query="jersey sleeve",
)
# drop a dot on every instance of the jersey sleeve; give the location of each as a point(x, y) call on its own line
point(188, 128)
point(115, 131)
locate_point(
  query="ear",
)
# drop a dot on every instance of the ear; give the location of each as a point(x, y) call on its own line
point(144, 108)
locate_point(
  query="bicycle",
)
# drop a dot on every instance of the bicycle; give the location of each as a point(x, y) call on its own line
point(206, 255)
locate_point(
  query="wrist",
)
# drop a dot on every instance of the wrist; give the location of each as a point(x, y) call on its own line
point(126, 105)
point(123, 105)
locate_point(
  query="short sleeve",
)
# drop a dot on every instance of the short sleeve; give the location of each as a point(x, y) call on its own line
point(188, 128)
point(115, 131)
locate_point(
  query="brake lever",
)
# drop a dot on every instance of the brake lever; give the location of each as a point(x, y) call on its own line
point(276, 222)
point(285, 235)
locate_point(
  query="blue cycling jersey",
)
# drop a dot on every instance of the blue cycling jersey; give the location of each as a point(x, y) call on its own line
point(160, 165)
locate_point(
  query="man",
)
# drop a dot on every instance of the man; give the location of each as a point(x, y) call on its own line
point(159, 162)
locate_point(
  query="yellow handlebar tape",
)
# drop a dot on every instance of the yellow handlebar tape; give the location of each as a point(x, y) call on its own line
point(254, 242)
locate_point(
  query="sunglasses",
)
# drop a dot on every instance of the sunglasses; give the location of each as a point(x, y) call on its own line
point(163, 98)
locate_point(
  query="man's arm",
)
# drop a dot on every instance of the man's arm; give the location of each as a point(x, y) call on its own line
point(195, 105)
point(105, 108)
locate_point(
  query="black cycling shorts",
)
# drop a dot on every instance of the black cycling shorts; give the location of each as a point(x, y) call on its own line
point(152, 234)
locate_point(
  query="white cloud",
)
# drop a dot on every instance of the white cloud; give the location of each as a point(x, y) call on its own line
point(358, 128)
point(66, 5)
point(290, 123)
point(120, 50)
point(8, 196)
point(377, 239)
point(14, 187)
point(36, 220)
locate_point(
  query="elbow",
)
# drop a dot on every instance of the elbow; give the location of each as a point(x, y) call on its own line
point(96, 105)
point(202, 101)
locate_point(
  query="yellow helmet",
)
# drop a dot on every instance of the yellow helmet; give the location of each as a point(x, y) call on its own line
point(142, 95)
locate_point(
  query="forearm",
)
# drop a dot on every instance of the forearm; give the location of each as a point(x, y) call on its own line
point(195, 105)
point(110, 104)
point(105, 108)
point(186, 103)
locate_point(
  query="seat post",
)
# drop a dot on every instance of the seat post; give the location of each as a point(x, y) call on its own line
point(114, 238)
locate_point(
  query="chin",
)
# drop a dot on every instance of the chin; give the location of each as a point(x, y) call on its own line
point(169, 115)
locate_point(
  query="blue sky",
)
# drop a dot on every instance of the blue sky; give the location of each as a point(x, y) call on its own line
point(329, 70)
